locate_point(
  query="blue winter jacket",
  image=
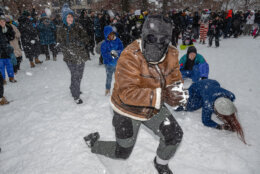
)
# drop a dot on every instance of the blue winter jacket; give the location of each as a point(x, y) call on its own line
point(47, 32)
point(202, 94)
point(109, 45)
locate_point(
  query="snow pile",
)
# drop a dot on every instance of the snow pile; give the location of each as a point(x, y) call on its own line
point(42, 130)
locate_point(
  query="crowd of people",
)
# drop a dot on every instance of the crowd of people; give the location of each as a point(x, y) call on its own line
point(139, 48)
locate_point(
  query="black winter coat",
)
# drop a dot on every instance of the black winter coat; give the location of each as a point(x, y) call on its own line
point(29, 37)
point(5, 47)
point(72, 41)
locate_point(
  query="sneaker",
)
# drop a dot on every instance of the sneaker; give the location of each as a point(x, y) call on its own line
point(162, 169)
point(78, 101)
point(91, 139)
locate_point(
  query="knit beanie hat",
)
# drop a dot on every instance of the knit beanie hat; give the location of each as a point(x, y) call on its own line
point(65, 12)
point(2, 17)
point(224, 106)
point(192, 49)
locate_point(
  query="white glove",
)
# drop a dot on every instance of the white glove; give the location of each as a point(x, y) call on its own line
point(114, 54)
point(32, 41)
point(177, 87)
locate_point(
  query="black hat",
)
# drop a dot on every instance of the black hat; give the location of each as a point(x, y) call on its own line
point(191, 49)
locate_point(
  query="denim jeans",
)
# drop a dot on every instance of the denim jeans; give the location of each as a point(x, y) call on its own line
point(6, 64)
point(109, 71)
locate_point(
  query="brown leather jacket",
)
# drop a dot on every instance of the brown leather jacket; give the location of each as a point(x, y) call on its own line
point(138, 84)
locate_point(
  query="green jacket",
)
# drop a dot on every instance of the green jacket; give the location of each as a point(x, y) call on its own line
point(72, 41)
point(198, 60)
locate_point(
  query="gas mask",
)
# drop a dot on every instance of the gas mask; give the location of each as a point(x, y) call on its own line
point(156, 36)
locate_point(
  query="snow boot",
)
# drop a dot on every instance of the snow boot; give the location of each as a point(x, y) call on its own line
point(32, 64)
point(203, 43)
point(107, 92)
point(78, 101)
point(162, 169)
point(3, 101)
point(54, 58)
point(37, 61)
point(5, 82)
point(47, 58)
point(91, 139)
point(12, 80)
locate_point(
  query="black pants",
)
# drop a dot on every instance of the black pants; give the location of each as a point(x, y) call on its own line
point(211, 37)
point(163, 125)
point(46, 50)
point(76, 71)
point(1, 86)
point(175, 37)
point(17, 67)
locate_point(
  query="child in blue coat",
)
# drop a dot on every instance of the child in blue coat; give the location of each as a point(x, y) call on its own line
point(111, 49)
point(212, 98)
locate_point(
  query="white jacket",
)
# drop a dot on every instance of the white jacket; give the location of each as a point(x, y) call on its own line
point(250, 19)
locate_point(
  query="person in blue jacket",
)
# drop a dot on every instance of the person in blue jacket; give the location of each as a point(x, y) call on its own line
point(212, 98)
point(111, 49)
point(193, 65)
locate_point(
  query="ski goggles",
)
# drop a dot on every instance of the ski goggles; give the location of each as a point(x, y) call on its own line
point(161, 39)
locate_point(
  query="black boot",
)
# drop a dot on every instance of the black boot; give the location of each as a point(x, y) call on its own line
point(162, 169)
point(91, 139)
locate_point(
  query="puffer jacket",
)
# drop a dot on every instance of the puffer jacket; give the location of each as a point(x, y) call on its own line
point(138, 84)
point(199, 59)
point(108, 45)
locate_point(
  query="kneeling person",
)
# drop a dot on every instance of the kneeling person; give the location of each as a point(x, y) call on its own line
point(146, 75)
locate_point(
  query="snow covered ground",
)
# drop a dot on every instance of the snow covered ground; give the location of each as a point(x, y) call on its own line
point(41, 130)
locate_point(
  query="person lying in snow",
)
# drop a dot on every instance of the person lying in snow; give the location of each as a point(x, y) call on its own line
point(212, 98)
point(193, 65)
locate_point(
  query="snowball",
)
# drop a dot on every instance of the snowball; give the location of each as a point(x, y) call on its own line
point(28, 73)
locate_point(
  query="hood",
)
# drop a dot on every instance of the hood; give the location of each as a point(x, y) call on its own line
point(65, 12)
point(107, 30)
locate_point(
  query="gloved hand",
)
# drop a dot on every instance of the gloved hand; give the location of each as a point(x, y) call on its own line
point(114, 54)
point(174, 95)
